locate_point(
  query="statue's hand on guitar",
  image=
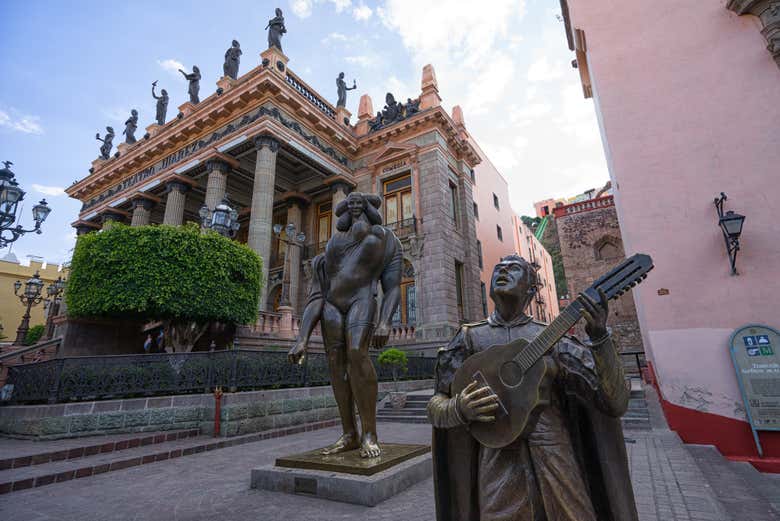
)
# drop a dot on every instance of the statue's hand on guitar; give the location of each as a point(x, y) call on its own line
point(595, 313)
point(476, 405)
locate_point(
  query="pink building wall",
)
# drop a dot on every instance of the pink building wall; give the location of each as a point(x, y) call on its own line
point(489, 181)
point(688, 101)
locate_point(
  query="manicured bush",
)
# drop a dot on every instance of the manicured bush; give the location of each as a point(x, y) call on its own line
point(174, 273)
point(396, 360)
point(34, 334)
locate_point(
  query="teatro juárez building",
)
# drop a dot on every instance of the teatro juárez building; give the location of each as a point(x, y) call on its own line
point(283, 154)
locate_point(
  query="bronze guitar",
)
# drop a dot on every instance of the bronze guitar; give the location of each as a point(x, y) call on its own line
point(517, 372)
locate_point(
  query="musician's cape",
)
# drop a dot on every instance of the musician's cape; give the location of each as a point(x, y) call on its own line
point(599, 447)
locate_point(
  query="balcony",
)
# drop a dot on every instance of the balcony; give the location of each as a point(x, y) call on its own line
point(403, 228)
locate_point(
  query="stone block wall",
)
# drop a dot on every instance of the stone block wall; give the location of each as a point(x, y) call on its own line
point(241, 413)
point(591, 245)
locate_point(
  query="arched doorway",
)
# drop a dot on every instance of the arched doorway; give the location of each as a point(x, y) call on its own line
point(274, 298)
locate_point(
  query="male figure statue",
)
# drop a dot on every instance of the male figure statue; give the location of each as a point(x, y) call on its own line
point(194, 84)
point(573, 465)
point(341, 87)
point(105, 148)
point(162, 104)
point(343, 298)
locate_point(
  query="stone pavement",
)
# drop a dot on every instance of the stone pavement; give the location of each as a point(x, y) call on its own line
point(668, 482)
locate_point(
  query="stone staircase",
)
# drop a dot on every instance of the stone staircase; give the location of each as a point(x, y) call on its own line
point(636, 418)
point(413, 412)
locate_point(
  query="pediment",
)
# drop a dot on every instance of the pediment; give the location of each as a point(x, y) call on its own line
point(394, 151)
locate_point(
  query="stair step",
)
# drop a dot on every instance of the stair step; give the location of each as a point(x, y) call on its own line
point(25, 452)
point(12, 480)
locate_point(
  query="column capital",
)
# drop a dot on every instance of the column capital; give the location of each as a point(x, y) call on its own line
point(337, 182)
point(113, 215)
point(217, 163)
point(177, 185)
point(295, 198)
point(83, 227)
point(146, 204)
point(266, 141)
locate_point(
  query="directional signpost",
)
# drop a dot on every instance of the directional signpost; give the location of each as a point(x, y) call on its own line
point(755, 352)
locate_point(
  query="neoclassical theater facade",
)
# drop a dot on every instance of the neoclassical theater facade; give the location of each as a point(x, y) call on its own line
point(282, 154)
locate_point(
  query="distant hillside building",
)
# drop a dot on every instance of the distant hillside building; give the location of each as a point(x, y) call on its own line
point(591, 245)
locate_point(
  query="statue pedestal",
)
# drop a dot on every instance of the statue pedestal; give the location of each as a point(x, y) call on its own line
point(226, 83)
point(98, 163)
point(343, 115)
point(153, 129)
point(187, 108)
point(277, 61)
point(347, 477)
point(124, 147)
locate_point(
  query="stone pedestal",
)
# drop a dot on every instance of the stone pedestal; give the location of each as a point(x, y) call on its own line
point(343, 115)
point(226, 83)
point(275, 60)
point(186, 108)
point(98, 163)
point(286, 322)
point(347, 477)
point(153, 129)
point(124, 147)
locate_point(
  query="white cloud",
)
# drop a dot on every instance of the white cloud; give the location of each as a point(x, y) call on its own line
point(362, 60)
point(25, 123)
point(362, 12)
point(301, 8)
point(335, 37)
point(543, 70)
point(51, 191)
point(340, 5)
point(172, 66)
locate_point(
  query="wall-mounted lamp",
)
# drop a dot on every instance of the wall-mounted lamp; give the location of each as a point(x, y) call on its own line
point(731, 225)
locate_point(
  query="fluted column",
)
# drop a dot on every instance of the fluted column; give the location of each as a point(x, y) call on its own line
point(294, 217)
point(142, 208)
point(261, 218)
point(340, 191)
point(174, 203)
point(217, 182)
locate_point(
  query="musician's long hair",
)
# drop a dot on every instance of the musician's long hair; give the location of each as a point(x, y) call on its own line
point(371, 204)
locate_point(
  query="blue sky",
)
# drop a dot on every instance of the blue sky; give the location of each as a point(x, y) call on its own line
point(72, 68)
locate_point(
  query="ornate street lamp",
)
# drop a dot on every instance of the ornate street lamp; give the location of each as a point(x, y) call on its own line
point(291, 239)
point(731, 225)
point(31, 296)
point(54, 292)
point(10, 197)
point(223, 220)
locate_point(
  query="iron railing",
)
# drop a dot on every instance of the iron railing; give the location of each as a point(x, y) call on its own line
point(125, 376)
point(403, 228)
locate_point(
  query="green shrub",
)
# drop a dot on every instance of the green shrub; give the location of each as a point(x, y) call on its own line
point(34, 334)
point(396, 360)
point(173, 273)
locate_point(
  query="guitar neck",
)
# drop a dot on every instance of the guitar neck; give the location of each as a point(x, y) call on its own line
point(551, 334)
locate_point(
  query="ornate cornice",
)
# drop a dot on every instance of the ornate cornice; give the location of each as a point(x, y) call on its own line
point(768, 11)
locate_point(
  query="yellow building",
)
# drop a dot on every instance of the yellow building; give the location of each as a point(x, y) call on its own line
point(11, 309)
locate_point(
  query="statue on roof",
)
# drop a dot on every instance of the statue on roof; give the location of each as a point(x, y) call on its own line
point(276, 29)
point(105, 148)
point(393, 110)
point(130, 126)
point(412, 106)
point(194, 79)
point(162, 104)
point(232, 60)
point(341, 85)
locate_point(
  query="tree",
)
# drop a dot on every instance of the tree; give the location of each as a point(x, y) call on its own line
point(178, 274)
point(396, 360)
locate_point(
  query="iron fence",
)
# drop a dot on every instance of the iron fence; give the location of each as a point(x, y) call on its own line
point(126, 376)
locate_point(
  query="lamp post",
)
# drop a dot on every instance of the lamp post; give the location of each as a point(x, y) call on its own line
point(10, 197)
point(30, 297)
point(731, 225)
point(54, 291)
point(223, 220)
point(291, 239)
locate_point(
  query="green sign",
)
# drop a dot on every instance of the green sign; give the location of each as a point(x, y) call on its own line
point(754, 351)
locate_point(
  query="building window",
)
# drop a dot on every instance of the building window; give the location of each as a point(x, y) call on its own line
point(406, 313)
point(473, 175)
point(484, 299)
point(398, 201)
point(476, 211)
point(454, 204)
point(324, 226)
point(479, 254)
point(459, 288)
point(495, 202)
point(499, 233)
